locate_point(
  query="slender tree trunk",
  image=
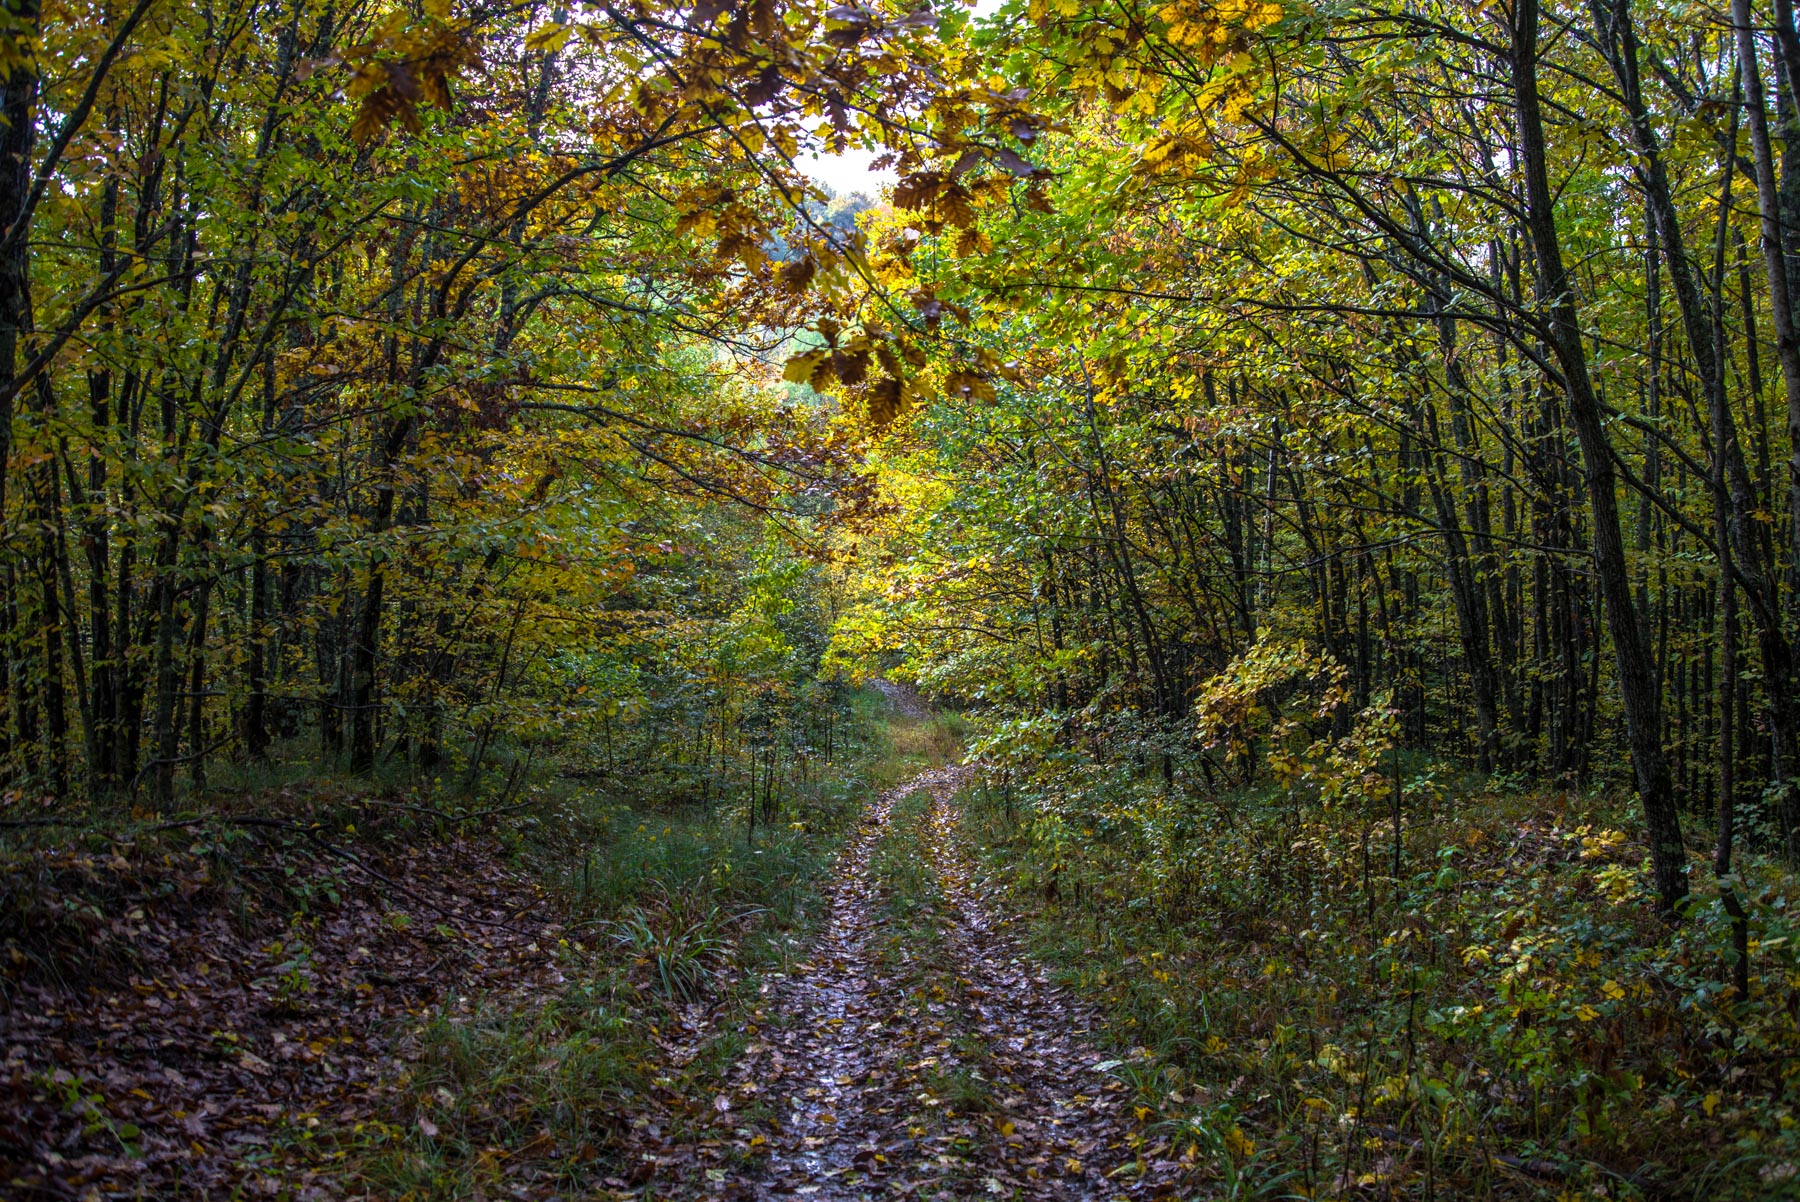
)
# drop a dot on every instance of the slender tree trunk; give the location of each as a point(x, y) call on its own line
point(1636, 675)
point(166, 676)
point(256, 714)
point(50, 627)
point(18, 123)
point(196, 721)
point(1734, 906)
point(1787, 341)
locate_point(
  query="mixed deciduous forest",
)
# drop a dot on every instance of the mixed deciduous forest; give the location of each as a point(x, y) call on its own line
point(1229, 627)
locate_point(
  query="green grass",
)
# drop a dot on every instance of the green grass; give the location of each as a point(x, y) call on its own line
point(908, 887)
point(962, 1089)
point(665, 907)
point(495, 1074)
point(912, 745)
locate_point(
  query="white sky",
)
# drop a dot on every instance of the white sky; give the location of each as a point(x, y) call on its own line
point(850, 172)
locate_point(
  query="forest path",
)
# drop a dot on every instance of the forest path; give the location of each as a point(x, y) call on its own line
point(919, 1053)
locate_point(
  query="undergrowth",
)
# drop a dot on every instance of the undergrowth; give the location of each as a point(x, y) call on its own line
point(636, 937)
point(674, 916)
point(1502, 1017)
point(909, 888)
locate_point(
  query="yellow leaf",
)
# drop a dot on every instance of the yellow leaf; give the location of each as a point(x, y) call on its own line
point(550, 38)
point(799, 369)
point(1711, 1103)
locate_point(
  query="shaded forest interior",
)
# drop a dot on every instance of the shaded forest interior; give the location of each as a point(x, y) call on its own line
point(473, 515)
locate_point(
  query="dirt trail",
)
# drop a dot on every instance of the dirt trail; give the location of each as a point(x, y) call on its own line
point(904, 698)
point(959, 1073)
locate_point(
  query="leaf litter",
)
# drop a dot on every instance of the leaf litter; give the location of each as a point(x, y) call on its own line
point(217, 1041)
point(970, 1075)
point(167, 1031)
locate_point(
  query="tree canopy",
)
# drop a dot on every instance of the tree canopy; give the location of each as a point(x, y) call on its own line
point(1302, 399)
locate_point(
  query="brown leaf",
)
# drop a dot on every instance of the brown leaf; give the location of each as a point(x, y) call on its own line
point(852, 367)
point(915, 191)
point(890, 362)
point(767, 87)
point(886, 401)
point(797, 275)
point(929, 307)
point(1013, 163)
point(401, 79)
point(970, 385)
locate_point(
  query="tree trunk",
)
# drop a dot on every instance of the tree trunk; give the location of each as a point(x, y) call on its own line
point(1706, 344)
point(1636, 676)
point(18, 100)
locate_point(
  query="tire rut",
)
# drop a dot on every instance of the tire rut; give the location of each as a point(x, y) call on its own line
point(969, 1075)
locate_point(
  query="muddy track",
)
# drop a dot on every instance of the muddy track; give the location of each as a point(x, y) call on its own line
point(951, 1070)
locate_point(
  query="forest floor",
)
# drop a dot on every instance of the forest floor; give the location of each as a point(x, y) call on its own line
point(917, 1052)
point(320, 992)
point(173, 1027)
point(891, 986)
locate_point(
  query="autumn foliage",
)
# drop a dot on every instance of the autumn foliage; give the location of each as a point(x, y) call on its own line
point(1343, 459)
